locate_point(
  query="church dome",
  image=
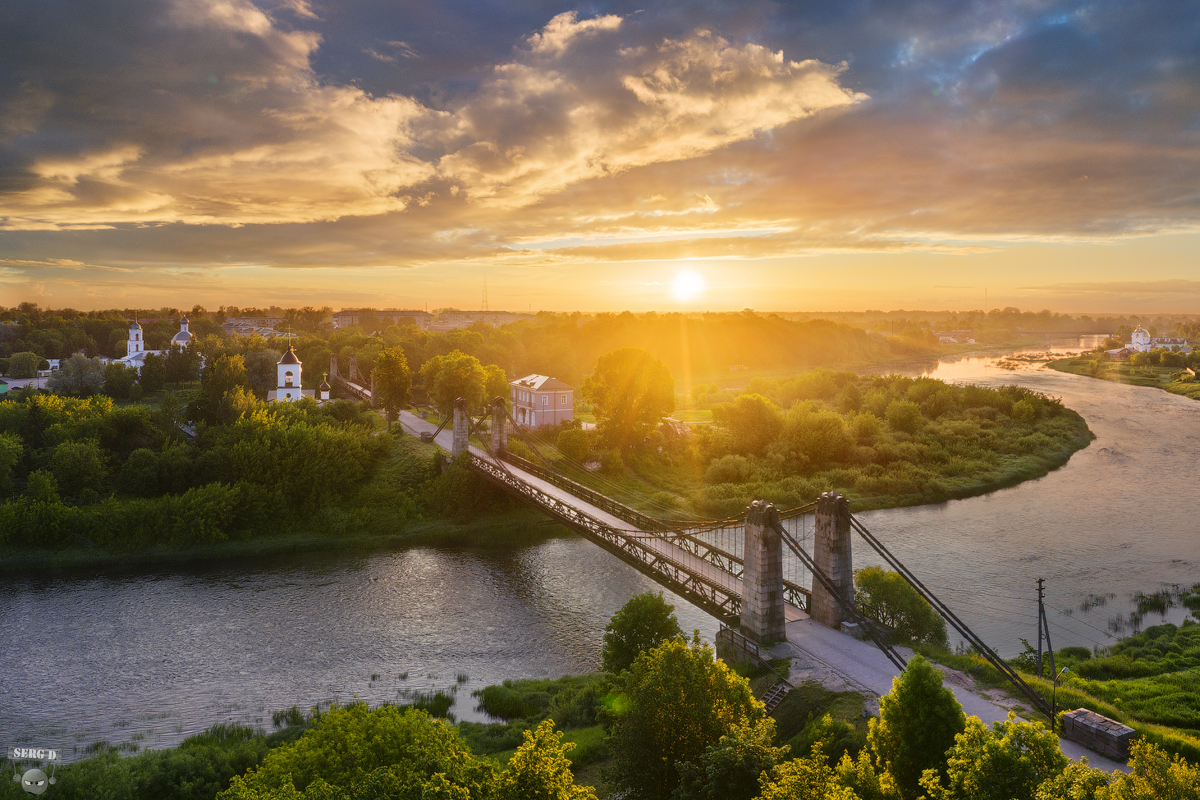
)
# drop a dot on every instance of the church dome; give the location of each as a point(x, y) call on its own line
point(324, 386)
point(183, 337)
point(289, 357)
point(184, 321)
point(135, 327)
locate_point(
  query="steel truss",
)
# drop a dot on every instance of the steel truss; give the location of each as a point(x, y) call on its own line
point(626, 545)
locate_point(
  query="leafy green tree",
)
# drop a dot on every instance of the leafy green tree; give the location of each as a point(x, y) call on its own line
point(730, 769)
point(153, 376)
point(752, 420)
point(812, 437)
point(392, 751)
point(917, 723)
point(1008, 762)
point(1078, 781)
point(885, 596)
point(807, 778)
point(540, 770)
point(119, 380)
point(77, 375)
point(904, 416)
point(41, 487)
point(452, 376)
point(78, 466)
point(182, 364)
point(677, 700)
point(573, 443)
point(393, 382)
point(261, 369)
point(11, 450)
point(631, 391)
point(1154, 776)
point(25, 365)
point(495, 383)
point(645, 622)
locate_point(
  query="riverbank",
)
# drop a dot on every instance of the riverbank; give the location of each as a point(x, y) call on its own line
point(500, 529)
point(1169, 379)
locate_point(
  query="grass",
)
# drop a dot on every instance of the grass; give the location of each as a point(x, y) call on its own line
point(1123, 372)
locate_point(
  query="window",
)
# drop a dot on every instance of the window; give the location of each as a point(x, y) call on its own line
point(562, 399)
point(545, 400)
point(287, 380)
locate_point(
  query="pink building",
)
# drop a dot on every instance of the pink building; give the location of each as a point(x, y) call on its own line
point(539, 400)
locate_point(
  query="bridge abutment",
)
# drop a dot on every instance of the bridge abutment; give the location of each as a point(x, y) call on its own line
point(462, 428)
point(762, 618)
point(499, 426)
point(832, 555)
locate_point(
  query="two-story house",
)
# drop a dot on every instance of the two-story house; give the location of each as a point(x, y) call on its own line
point(539, 400)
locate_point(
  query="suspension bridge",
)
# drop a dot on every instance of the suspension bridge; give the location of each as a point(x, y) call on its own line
point(756, 573)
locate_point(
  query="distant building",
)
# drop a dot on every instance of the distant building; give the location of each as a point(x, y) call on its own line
point(1142, 341)
point(135, 347)
point(386, 317)
point(454, 320)
point(287, 386)
point(955, 337)
point(540, 401)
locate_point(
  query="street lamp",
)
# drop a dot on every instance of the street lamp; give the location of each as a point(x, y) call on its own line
point(1054, 698)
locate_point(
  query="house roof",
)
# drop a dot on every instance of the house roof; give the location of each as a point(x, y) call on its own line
point(540, 383)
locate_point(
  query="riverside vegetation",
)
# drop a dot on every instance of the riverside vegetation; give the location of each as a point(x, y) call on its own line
point(675, 724)
point(1161, 369)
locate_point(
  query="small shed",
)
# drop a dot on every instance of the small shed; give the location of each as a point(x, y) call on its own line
point(1101, 734)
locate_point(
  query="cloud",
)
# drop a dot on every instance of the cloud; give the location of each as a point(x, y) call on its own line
point(1176, 286)
point(556, 37)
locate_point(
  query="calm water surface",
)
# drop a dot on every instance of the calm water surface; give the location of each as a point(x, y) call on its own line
point(154, 656)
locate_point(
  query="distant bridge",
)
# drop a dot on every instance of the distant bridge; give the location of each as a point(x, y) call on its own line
point(754, 573)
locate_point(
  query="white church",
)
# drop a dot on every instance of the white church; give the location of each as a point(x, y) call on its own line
point(135, 348)
point(287, 388)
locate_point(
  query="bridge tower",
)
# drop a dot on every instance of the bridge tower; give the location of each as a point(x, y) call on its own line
point(499, 426)
point(832, 555)
point(333, 370)
point(762, 578)
point(462, 427)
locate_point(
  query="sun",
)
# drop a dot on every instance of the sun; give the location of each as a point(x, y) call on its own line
point(687, 286)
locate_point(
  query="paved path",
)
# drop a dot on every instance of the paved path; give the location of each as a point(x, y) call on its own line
point(843, 663)
point(832, 658)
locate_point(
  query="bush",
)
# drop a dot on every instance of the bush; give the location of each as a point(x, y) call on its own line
point(904, 416)
point(573, 443)
point(728, 469)
point(886, 597)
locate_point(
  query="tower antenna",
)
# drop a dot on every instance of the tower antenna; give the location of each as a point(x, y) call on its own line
point(485, 300)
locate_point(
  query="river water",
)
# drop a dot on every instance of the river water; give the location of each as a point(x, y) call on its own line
point(149, 657)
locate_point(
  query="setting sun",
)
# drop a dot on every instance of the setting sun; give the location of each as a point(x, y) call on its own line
point(687, 286)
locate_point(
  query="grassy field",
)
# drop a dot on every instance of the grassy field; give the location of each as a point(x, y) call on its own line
point(1165, 378)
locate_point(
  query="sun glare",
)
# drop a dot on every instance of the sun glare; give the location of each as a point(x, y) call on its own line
point(687, 286)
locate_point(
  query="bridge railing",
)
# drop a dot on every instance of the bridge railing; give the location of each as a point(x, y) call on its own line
point(695, 587)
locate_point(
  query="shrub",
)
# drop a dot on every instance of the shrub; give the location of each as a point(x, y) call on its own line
point(573, 443)
point(904, 416)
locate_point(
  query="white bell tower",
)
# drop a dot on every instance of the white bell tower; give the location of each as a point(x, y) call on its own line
point(135, 343)
point(288, 385)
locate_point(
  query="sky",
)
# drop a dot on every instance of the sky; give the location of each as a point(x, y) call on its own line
point(608, 156)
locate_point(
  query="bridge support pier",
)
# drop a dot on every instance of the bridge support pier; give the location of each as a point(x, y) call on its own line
point(762, 618)
point(333, 370)
point(832, 555)
point(374, 394)
point(462, 428)
point(499, 426)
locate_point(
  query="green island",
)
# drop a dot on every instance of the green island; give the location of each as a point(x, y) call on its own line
point(667, 720)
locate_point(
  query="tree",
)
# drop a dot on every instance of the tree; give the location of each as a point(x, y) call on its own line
point(77, 375)
point(153, 376)
point(917, 723)
point(495, 383)
point(540, 770)
point(573, 443)
point(646, 621)
point(676, 701)
point(393, 382)
point(119, 380)
point(261, 370)
point(886, 597)
point(182, 364)
point(904, 416)
point(1154, 775)
point(730, 769)
point(78, 466)
point(25, 365)
point(631, 391)
point(11, 450)
point(752, 420)
point(807, 778)
point(452, 376)
point(1008, 762)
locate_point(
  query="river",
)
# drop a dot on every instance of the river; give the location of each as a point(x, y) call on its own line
point(149, 657)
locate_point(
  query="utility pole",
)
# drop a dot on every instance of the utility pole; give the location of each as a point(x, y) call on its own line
point(1043, 630)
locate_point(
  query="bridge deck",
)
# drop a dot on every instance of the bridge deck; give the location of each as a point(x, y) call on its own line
point(692, 563)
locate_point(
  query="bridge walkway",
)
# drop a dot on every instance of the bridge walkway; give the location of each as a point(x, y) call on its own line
point(710, 573)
